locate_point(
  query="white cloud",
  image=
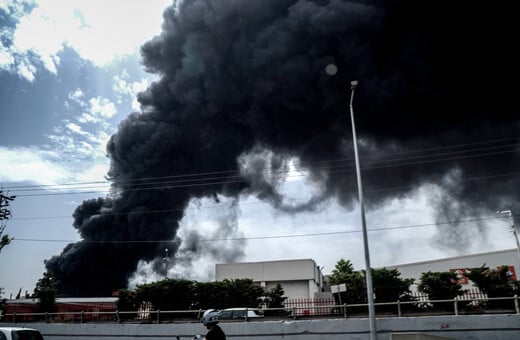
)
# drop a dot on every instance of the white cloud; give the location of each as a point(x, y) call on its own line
point(100, 31)
point(77, 96)
point(102, 107)
point(87, 118)
point(31, 164)
point(130, 89)
point(81, 144)
point(14, 7)
point(26, 70)
point(6, 59)
point(76, 129)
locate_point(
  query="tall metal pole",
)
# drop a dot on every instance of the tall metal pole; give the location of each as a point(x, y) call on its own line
point(513, 228)
point(370, 289)
point(166, 260)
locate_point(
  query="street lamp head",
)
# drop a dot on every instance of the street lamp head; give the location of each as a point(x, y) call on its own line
point(331, 69)
point(353, 84)
point(504, 212)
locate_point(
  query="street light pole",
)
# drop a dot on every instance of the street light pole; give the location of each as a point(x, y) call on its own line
point(370, 290)
point(166, 260)
point(513, 228)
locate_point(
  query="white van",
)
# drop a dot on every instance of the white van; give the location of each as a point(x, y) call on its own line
point(240, 313)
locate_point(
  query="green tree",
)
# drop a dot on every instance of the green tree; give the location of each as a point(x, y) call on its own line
point(211, 295)
point(275, 299)
point(46, 291)
point(340, 273)
point(5, 214)
point(389, 286)
point(169, 294)
point(495, 283)
point(344, 273)
point(275, 296)
point(228, 293)
point(127, 302)
point(440, 286)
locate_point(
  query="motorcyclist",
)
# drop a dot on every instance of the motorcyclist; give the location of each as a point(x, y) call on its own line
point(210, 320)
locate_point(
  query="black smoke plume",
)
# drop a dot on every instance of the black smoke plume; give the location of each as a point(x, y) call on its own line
point(245, 78)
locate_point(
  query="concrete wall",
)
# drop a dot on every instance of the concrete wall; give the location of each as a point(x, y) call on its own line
point(416, 336)
point(468, 327)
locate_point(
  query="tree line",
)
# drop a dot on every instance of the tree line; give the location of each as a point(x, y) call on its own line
point(389, 286)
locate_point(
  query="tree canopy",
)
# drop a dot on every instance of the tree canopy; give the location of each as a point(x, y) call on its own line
point(440, 285)
point(180, 294)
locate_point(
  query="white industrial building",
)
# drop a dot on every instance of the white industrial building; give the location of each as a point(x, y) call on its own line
point(300, 279)
point(459, 264)
point(303, 279)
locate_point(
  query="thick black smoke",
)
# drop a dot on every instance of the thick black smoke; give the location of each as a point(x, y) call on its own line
point(244, 78)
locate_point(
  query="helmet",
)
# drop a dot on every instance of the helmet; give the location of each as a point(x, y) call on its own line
point(209, 316)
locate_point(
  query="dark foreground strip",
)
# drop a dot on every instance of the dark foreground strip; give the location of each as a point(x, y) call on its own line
point(268, 335)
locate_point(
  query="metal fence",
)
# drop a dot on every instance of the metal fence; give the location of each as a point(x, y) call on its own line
point(469, 303)
point(470, 294)
point(308, 307)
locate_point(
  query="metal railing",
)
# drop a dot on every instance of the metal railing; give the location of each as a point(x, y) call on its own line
point(457, 306)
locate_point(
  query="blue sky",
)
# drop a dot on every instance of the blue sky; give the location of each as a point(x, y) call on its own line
point(69, 73)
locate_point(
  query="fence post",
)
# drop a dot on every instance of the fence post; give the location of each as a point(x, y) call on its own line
point(456, 306)
point(158, 316)
point(118, 318)
point(46, 317)
point(516, 305)
point(294, 313)
point(14, 317)
point(399, 308)
point(345, 310)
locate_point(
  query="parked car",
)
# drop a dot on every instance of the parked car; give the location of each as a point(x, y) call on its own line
point(18, 333)
point(240, 313)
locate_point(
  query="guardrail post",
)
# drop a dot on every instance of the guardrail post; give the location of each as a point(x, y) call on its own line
point(158, 316)
point(517, 307)
point(294, 313)
point(82, 316)
point(46, 317)
point(118, 317)
point(247, 315)
point(456, 306)
point(399, 308)
point(344, 310)
point(14, 317)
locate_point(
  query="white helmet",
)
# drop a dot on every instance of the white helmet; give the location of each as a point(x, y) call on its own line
point(209, 316)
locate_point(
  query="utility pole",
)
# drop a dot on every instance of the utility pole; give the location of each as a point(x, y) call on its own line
point(513, 228)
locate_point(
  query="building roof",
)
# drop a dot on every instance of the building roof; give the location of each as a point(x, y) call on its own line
point(453, 258)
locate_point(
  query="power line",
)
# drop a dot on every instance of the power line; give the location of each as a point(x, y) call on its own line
point(271, 236)
point(166, 185)
point(234, 173)
point(247, 203)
